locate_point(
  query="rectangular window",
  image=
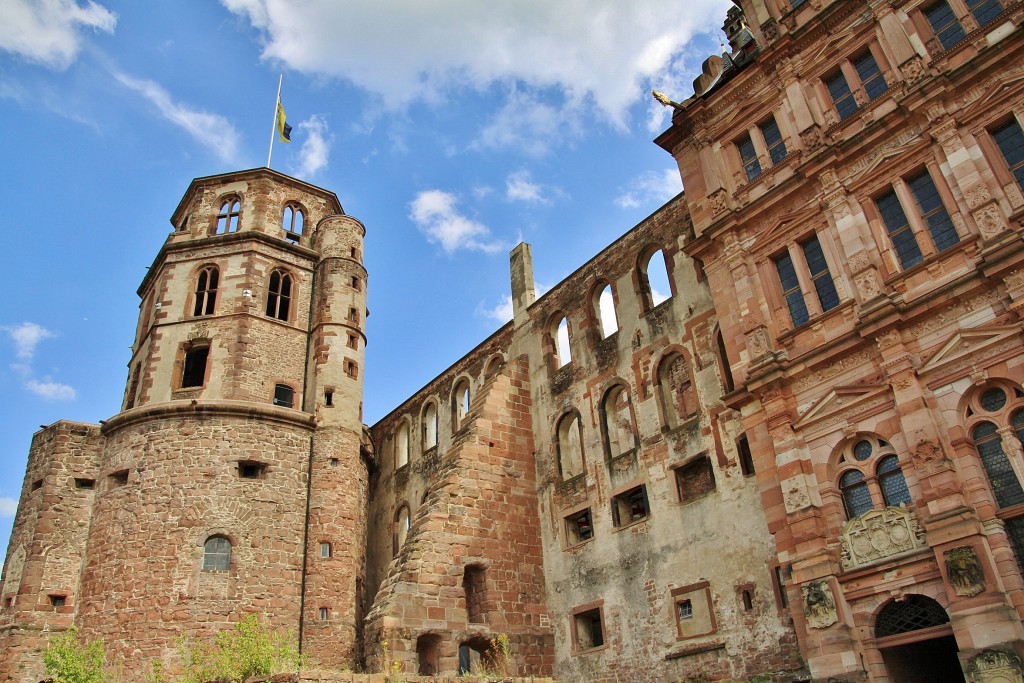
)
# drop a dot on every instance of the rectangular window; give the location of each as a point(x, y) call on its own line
point(588, 629)
point(630, 506)
point(684, 609)
point(791, 289)
point(748, 155)
point(58, 600)
point(694, 614)
point(353, 341)
point(695, 479)
point(325, 550)
point(745, 457)
point(284, 396)
point(579, 527)
point(933, 212)
point(944, 23)
point(194, 368)
point(820, 275)
point(984, 11)
point(898, 227)
point(251, 469)
point(81, 483)
point(870, 75)
point(325, 613)
point(351, 369)
point(118, 479)
point(1010, 139)
point(842, 96)
point(773, 140)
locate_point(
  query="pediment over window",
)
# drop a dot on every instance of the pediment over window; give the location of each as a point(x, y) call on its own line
point(843, 404)
point(968, 350)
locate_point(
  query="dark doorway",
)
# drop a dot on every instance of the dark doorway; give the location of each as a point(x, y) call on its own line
point(926, 661)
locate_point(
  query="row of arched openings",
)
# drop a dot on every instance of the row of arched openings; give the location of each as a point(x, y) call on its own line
point(279, 292)
point(429, 434)
point(293, 218)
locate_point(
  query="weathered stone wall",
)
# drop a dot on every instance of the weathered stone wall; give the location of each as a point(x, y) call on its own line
point(47, 546)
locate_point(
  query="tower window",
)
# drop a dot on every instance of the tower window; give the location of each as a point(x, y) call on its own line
point(284, 396)
point(58, 600)
point(227, 217)
point(292, 222)
point(206, 291)
point(194, 366)
point(279, 295)
point(251, 469)
point(325, 550)
point(88, 484)
point(325, 613)
point(216, 554)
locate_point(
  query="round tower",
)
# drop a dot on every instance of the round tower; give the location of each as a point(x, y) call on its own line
point(204, 486)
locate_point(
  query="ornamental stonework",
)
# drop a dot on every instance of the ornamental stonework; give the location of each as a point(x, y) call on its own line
point(878, 534)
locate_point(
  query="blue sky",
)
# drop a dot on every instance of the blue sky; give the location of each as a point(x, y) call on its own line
point(452, 128)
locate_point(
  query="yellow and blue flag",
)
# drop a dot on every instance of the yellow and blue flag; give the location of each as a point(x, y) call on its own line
point(284, 131)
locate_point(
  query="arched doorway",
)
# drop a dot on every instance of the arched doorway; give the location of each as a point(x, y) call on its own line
point(916, 641)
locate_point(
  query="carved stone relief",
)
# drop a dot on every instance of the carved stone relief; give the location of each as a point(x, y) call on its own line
point(990, 221)
point(913, 70)
point(995, 666)
point(976, 195)
point(811, 138)
point(717, 201)
point(878, 534)
point(819, 605)
point(964, 571)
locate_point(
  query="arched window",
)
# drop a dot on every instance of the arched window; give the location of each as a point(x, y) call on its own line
point(559, 333)
point(430, 426)
point(216, 554)
point(617, 414)
point(227, 217)
point(403, 522)
point(676, 391)
point(292, 222)
point(604, 309)
point(997, 404)
point(870, 474)
point(570, 447)
point(279, 295)
point(655, 286)
point(206, 291)
point(460, 403)
point(402, 446)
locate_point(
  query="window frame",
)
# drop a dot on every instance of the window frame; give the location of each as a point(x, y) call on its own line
point(915, 231)
point(204, 293)
point(209, 553)
point(795, 295)
point(624, 500)
point(293, 233)
point(850, 73)
point(849, 462)
point(229, 216)
point(190, 351)
point(586, 611)
point(280, 298)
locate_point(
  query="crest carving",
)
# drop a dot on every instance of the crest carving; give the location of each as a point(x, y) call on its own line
point(878, 534)
point(819, 606)
point(995, 666)
point(989, 220)
point(964, 571)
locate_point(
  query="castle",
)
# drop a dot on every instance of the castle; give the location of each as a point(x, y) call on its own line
point(805, 460)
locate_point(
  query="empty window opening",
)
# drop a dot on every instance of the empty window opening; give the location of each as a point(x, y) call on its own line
point(630, 506)
point(37, 484)
point(428, 654)
point(58, 600)
point(654, 282)
point(284, 396)
point(477, 655)
point(119, 478)
point(402, 446)
point(474, 584)
point(9, 601)
point(780, 586)
point(676, 390)
point(723, 363)
point(193, 372)
point(206, 291)
point(333, 462)
point(353, 315)
point(560, 337)
point(328, 397)
point(81, 483)
point(579, 527)
point(619, 433)
point(745, 457)
point(748, 600)
point(695, 479)
point(351, 369)
point(227, 217)
point(216, 554)
point(588, 629)
point(403, 522)
point(325, 613)
point(357, 284)
point(604, 303)
point(353, 342)
point(251, 469)
point(460, 403)
point(570, 447)
point(325, 549)
point(430, 426)
point(292, 223)
point(354, 253)
point(279, 295)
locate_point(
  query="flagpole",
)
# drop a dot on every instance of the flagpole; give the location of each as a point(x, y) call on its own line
point(273, 128)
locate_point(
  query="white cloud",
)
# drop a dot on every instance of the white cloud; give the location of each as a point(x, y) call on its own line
point(519, 188)
point(652, 187)
point(605, 52)
point(316, 146)
point(26, 337)
point(51, 391)
point(8, 506)
point(48, 32)
point(213, 131)
point(436, 215)
point(529, 125)
point(501, 313)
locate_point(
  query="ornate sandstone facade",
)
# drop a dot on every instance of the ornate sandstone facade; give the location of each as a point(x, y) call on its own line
point(803, 459)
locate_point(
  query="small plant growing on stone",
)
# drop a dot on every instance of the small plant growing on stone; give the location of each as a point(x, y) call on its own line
point(500, 656)
point(388, 666)
point(250, 648)
point(69, 660)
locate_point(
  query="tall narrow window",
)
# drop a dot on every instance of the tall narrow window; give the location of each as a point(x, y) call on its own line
point(194, 366)
point(944, 23)
point(892, 482)
point(820, 275)
point(856, 495)
point(773, 140)
point(723, 362)
point(617, 414)
point(216, 554)
point(430, 426)
point(227, 217)
point(560, 337)
point(403, 522)
point(896, 224)
point(842, 96)
point(748, 155)
point(292, 223)
point(870, 75)
point(654, 283)
point(604, 305)
point(675, 389)
point(570, 447)
point(279, 295)
point(1005, 486)
point(474, 583)
point(745, 457)
point(402, 446)
point(791, 289)
point(206, 291)
point(1010, 139)
point(460, 403)
point(984, 11)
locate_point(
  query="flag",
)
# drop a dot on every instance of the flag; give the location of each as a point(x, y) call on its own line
point(283, 129)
